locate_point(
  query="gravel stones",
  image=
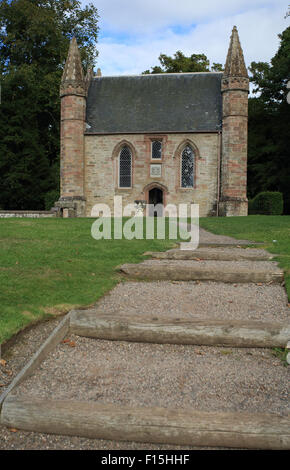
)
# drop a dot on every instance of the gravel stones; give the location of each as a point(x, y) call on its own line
point(170, 376)
point(213, 300)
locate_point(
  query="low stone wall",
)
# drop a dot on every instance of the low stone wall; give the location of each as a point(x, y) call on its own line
point(31, 214)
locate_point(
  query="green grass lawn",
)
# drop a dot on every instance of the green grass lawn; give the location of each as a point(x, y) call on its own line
point(272, 230)
point(48, 266)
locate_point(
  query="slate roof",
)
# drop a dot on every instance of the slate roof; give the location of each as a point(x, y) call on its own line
point(157, 103)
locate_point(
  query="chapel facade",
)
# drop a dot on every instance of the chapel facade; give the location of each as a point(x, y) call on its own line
point(160, 138)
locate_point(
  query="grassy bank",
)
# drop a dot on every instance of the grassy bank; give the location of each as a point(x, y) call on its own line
point(273, 231)
point(48, 266)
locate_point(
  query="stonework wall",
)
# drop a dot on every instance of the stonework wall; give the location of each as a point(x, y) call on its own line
point(27, 214)
point(234, 147)
point(234, 167)
point(235, 122)
point(101, 169)
point(72, 145)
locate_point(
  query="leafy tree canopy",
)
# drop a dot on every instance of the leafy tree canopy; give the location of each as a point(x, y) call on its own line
point(271, 79)
point(180, 63)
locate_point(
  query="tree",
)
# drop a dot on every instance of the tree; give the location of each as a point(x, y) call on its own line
point(180, 63)
point(34, 40)
point(269, 117)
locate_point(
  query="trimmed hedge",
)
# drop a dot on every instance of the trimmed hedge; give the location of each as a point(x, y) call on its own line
point(267, 203)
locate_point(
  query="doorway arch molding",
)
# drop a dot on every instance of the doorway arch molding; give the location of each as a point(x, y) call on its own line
point(157, 185)
point(152, 185)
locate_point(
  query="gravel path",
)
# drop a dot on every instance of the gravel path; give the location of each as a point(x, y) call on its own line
point(17, 353)
point(208, 237)
point(139, 374)
point(251, 252)
point(216, 264)
point(171, 376)
point(20, 349)
point(194, 299)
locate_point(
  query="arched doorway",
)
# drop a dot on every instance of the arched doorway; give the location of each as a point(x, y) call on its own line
point(155, 198)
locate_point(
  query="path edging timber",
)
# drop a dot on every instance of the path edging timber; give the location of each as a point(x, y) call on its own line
point(53, 339)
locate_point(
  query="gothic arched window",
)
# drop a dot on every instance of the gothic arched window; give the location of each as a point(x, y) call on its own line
point(187, 167)
point(125, 168)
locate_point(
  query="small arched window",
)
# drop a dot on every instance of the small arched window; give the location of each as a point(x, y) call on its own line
point(187, 167)
point(125, 167)
point(156, 149)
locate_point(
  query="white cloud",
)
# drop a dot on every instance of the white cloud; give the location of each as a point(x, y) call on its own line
point(139, 16)
point(134, 33)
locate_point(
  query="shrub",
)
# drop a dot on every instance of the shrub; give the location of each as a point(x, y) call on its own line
point(267, 203)
point(50, 198)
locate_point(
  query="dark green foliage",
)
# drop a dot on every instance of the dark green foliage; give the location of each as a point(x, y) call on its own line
point(267, 203)
point(50, 198)
point(269, 118)
point(180, 63)
point(34, 40)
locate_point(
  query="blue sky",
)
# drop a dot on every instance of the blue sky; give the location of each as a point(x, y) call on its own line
point(134, 32)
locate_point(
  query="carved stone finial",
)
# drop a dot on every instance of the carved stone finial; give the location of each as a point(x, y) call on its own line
point(73, 75)
point(99, 72)
point(235, 63)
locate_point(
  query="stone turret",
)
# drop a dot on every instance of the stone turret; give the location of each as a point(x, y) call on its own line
point(235, 88)
point(73, 92)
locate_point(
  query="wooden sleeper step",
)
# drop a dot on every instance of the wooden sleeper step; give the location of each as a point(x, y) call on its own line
point(249, 334)
point(201, 271)
point(187, 427)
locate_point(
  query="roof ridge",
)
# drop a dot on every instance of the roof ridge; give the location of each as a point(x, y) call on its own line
point(158, 74)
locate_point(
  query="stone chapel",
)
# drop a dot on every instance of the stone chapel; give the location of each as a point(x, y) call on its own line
point(160, 138)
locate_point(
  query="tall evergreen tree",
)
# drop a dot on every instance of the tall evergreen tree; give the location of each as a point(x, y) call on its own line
point(34, 40)
point(269, 118)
